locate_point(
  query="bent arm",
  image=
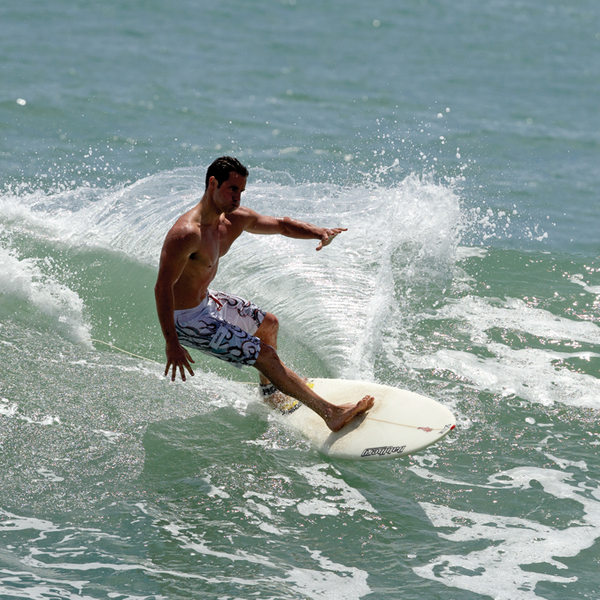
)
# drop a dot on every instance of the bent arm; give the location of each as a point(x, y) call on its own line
point(293, 228)
point(172, 262)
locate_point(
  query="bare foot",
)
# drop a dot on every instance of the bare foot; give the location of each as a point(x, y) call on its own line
point(346, 412)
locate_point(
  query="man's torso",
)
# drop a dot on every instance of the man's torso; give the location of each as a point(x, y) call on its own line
point(210, 243)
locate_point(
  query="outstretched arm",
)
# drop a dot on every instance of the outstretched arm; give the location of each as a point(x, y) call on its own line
point(293, 228)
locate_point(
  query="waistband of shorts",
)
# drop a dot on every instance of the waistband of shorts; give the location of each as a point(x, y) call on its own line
point(185, 311)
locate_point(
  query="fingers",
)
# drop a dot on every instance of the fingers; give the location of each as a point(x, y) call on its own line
point(327, 239)
point(181, 368)
point(322, 244)
point(329, 236)
point(181, 364)
point(181, 372)
point(187, 365)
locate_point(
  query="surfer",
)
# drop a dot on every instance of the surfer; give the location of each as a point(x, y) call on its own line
point(223, 325)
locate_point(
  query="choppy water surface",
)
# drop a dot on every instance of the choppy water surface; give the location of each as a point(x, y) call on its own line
point(458, 143)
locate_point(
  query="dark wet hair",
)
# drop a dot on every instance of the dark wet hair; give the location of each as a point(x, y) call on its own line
point(221, 168)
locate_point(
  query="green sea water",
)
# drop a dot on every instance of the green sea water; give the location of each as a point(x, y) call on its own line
point(458, 143)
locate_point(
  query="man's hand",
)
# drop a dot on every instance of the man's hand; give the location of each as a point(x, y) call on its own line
point(328, 236)
point(178, 358)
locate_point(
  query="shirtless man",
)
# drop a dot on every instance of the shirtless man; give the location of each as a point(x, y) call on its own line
point(226, 326)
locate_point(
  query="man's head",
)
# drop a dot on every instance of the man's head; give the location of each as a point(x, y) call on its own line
point(222, 167)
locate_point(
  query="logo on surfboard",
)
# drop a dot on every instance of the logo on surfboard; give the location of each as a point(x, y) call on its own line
point(382, 451)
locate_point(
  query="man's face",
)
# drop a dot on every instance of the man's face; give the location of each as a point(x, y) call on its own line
point(229, 195)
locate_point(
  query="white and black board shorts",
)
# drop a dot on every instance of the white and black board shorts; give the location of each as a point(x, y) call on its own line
point(223, 326)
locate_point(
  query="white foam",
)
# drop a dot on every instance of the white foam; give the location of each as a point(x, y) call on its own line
point(132, 219)
point(193, 541)
point(328, 580)
point(481, 314)
point(214, 490)
point(577, 279)
point(11, 410)
point(530, 374)
point(49, 475)
point(111, 436)
point(316, 506)
point(12, 522)
point(343, 499)
point(565, 464)
point(8, 409)
point(534, 374)
point(333, 581)
point(403, 246)
point(39, 589)
point(24, 278)
point(508, 544)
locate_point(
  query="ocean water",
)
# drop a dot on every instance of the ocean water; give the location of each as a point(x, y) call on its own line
point(459, 143)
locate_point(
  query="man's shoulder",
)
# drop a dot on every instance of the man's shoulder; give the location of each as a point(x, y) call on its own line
point(242, 216)
point(243, 212)
point(183, 231)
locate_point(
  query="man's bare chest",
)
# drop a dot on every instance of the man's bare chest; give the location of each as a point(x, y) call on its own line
point(212, 244)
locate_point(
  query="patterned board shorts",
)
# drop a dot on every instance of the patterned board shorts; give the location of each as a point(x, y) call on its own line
point(223, 325)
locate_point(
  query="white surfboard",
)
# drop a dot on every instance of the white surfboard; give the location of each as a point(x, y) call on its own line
point(400, 422)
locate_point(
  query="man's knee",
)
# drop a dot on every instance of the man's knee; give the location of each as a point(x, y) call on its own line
point(269, 327)
point(272, 321)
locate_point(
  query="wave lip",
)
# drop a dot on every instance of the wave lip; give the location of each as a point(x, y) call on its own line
point(48, 303)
